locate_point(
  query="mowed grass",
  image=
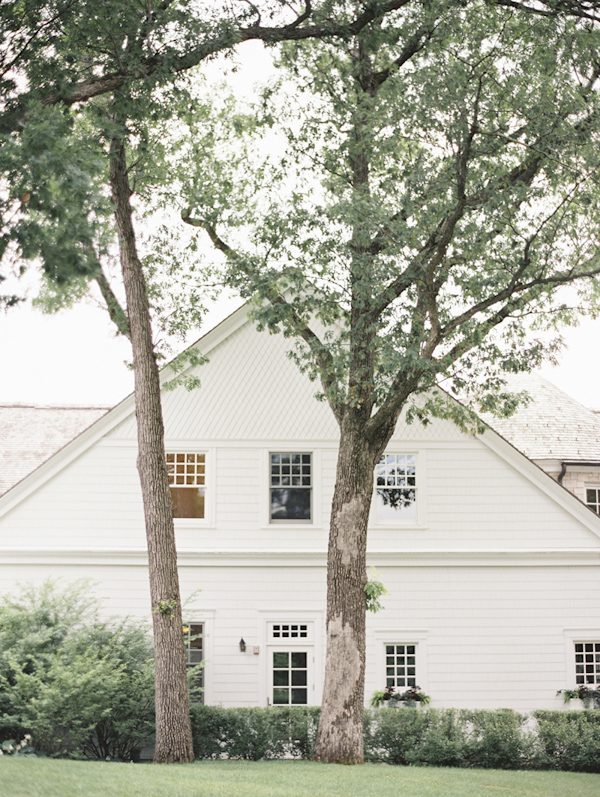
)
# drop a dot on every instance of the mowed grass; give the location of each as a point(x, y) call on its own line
point(48, 778)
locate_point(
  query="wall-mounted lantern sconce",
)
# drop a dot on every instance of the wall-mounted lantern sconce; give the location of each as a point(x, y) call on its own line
point(242, 645)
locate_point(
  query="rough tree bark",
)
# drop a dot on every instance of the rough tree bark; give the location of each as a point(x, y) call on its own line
point(173, 728)
point(340, 734)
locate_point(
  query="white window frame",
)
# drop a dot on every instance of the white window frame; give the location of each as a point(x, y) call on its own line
point(401, 636)
point(265, 487)
point(209, 497)
point(187, 624)
point(596, 488)
point(312, 643)
point(206, 620)
point(575, 636)
point(420, 503)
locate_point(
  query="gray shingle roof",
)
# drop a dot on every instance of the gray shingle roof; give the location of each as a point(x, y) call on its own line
point(30, 435)
point(552, 426)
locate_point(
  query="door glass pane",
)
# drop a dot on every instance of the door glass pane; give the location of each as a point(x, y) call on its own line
point(280, 697)
point(299, 697)
point(280, 659)
point(298, 660)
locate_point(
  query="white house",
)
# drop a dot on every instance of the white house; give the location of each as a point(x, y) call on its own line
point(492, 568)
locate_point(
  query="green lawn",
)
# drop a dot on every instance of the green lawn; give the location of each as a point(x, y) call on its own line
point(47, 778)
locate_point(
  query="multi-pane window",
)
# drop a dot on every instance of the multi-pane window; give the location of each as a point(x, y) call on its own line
point(400, 665)
point(592, 498)
point(587, 663)
point(290, 678)
point(187, 480)
point(194, 650)
point(396, 487)
point(290, 486)
point(289, 631)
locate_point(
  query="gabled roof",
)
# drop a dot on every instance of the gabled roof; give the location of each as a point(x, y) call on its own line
point(552, 426)
point(29, 435)
point(498, 441)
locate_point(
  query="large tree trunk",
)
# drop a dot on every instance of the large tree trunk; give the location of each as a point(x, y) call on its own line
point(173, 727)
point(340, 734)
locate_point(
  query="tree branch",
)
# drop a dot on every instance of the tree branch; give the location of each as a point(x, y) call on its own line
point(269, 292)
point(295, 31)
point(117, 314)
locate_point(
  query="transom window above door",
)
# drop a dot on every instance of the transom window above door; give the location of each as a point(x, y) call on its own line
point(291, 483)
point(396, 487)
point(187, 480)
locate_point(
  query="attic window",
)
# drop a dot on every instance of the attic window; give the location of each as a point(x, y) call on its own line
point(187, 480)
point(592, 498)
point(396, 487)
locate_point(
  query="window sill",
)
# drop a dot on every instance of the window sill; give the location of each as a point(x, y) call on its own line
point(192, 523)
point(391, 526)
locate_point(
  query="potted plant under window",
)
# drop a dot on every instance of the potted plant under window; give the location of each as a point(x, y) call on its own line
point(392, 699)
point(589, 697)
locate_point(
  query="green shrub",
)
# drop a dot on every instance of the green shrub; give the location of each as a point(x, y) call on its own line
point(497, 740)
point(80, 686)
point(422, 737)
point(568, 740)
point(391, 734)
point(253, 733)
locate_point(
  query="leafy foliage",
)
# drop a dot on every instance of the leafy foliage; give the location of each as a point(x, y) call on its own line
point(82, 687)
point(501, 739)
point(438, 183)
point(569, 740)
point(374, 589)
point(253, 733)
point(589, 697)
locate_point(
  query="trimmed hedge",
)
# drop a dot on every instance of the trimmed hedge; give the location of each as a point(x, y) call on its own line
point(502, 739)
point(569, 740)
point(254, 733)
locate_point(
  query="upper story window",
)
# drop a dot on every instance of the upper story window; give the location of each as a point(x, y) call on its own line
point(592, 498)
point(396, 487)
point(187, 479)
point(587, 663)
point(291, 486)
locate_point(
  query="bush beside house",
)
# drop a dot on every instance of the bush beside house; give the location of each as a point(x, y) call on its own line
point(501, 739)
point(79, 686)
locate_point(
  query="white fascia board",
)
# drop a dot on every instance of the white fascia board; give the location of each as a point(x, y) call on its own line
point(108, 422)
point(534, 473)
point(211, 340)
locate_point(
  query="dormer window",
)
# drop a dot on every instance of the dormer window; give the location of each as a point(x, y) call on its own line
point(592, 498)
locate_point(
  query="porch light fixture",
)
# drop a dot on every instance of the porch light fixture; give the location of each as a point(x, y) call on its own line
point(242, 645)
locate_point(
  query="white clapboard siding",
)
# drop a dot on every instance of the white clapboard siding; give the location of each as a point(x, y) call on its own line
point(495, 578)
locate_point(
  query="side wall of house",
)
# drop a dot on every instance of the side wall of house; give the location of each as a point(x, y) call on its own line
point(491, 582)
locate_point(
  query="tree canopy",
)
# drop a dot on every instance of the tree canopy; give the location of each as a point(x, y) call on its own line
point(439, 182)
point(438, 186)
